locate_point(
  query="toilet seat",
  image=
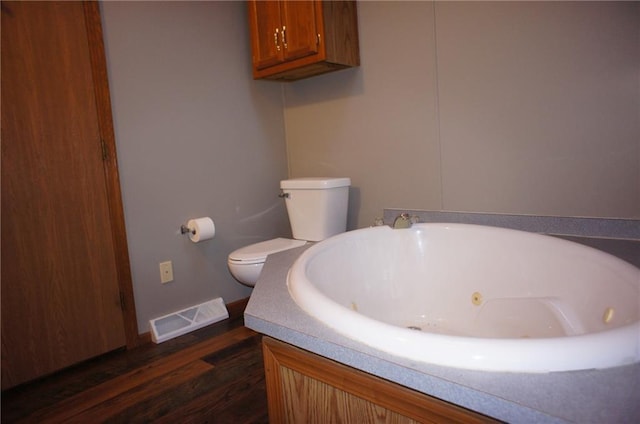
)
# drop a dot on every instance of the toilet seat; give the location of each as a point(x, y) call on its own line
point(258, 252)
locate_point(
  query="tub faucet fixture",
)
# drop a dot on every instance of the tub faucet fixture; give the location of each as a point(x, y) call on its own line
point(404, 220)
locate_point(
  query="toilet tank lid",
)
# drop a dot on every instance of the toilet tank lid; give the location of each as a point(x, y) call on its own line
point(315, 183)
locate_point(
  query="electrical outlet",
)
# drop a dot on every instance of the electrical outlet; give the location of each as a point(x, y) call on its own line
point(166, 272)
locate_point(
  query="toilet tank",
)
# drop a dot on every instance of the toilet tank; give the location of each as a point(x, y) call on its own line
point(317, 207)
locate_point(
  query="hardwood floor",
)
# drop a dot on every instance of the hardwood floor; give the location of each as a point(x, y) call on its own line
point(212, 375)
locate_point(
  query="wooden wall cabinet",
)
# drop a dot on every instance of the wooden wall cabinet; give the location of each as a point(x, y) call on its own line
point(291, 40)
point(306, 388)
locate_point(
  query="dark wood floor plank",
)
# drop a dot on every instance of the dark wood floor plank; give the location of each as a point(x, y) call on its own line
point(251, 409)
point(151, 389)
point(214, 374)
point(19, 401)
point(205, 398)
point(246, 407)
point(250, 344)
point(92, 396)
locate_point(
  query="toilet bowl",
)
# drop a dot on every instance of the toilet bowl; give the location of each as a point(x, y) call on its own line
point(246, 263)
point(317, 209)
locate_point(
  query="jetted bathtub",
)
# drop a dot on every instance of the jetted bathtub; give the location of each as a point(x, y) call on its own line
point(474, 297)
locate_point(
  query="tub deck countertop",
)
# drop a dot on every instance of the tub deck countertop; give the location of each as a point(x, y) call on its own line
point(592, 396)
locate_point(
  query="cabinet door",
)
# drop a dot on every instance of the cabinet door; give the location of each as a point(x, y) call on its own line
point(266, 37)
point(302, 24)
point(60, 295)
point(303, 387)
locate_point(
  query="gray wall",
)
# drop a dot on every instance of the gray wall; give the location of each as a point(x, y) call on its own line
point(509, 107)
point(196, 136)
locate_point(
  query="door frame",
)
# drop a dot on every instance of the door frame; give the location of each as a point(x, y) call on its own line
point(95, 39)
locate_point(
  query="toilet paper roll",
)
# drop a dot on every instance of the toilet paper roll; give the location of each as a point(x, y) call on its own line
point(201, 229)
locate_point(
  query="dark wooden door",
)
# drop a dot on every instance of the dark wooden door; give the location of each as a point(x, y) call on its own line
point(61, 301)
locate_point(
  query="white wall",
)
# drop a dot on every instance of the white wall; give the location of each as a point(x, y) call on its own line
point(196, 136)
point(509, 107)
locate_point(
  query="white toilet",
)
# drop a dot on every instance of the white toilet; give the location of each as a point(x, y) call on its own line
point(317, 209)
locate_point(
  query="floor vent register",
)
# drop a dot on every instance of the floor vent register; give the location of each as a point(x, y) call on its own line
point(181, 322)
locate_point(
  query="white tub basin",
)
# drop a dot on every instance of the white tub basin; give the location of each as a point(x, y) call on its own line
point(474, 297)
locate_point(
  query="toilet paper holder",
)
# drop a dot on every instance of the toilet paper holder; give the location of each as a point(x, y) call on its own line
point(199, 229)
point(184, 229)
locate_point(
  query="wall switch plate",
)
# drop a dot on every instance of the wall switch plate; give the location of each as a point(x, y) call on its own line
point(166, 272)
